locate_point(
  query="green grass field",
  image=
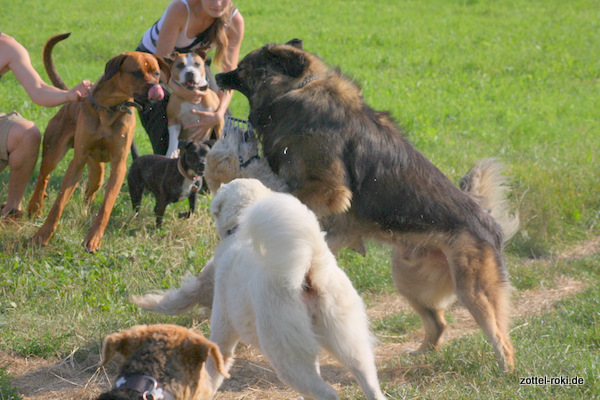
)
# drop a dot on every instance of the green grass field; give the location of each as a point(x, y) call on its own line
point(517, 80)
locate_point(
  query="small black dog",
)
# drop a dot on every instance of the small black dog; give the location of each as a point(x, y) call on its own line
point(169, 179)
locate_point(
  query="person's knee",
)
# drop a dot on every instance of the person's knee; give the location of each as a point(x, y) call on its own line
point(32, 136)
point(24, 138)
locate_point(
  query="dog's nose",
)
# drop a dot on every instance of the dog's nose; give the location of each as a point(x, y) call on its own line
point(189, 76)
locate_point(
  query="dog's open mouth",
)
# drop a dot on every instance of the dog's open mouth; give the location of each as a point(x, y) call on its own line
point(191, 85)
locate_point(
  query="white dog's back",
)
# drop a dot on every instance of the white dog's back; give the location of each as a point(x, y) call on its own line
point(286, 237)
point(278, 287)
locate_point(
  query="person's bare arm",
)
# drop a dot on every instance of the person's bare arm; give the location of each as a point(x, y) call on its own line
point(40, 92)
point(208, 120)
point(173, 23)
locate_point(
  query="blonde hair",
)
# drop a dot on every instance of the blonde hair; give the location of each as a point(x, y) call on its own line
point(218, 36)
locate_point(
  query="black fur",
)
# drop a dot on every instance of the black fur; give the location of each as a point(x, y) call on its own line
point(161, 176)
point(392, 183)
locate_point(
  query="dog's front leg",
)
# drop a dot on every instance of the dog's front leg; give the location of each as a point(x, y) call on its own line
point(192, 201)
point(95, 179)
point(68, 186)
point(113, 187)
point(159, 210)
point(174, 131)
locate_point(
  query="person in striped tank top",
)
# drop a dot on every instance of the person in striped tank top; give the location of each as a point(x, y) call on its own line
point(184, 26)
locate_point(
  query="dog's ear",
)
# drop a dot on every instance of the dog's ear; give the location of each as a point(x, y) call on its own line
point(197, 349)
point(201, 51)
point(124, 342)
point(286, 61)
point(170, 58)
point(164, 68)
point(182, 144)
point(297, 43)
point(113, 66)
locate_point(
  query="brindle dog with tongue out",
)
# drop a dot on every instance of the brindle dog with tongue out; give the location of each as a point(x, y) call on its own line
point(99, 129)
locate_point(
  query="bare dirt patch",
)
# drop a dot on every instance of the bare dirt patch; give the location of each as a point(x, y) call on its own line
point(252, 376)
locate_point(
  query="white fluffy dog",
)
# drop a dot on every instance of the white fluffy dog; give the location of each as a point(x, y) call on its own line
point(278, 288)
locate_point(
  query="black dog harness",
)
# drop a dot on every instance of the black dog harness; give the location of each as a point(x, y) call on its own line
point(146, 385)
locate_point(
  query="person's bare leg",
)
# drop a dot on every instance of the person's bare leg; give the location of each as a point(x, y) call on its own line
point(23, 148)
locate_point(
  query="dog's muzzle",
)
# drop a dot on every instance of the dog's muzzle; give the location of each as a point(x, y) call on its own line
point(146, 385)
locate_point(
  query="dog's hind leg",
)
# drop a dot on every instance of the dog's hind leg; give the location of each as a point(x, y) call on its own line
point(54, 148)
point(287, 339)
point(135, 183)
point(482, 287)
point(68, 186)
point(422, 276)
point(343, 329)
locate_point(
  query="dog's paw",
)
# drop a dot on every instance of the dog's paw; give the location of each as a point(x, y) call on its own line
point(35, 206)
point(185, 215)
point(41, 238)
point(92, 243)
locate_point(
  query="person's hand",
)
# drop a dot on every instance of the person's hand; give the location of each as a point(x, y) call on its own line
point(207, 120)
point(80, 91)
point(196, 95)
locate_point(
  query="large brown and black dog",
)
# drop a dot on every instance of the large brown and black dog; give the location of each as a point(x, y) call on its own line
point(354, 168)
point(100, 129)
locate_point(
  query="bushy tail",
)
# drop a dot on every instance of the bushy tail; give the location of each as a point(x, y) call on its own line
point(49, 63)
point(194, 291)
point(286, 237)
point(487, 184)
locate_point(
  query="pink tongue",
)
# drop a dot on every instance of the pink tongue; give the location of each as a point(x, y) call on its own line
point(156, 93)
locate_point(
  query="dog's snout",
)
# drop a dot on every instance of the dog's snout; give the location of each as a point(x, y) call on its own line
point(190, 76)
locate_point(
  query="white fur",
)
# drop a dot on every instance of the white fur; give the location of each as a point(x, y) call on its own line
point(261, 295)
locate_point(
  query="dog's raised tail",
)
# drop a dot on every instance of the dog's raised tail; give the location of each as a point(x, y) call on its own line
point(486, 182)
point(194, 291)
point(49, 63)
point(286, 237)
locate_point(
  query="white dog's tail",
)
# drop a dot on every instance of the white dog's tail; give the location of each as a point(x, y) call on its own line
point(194, 291)
point(487, 184)
point(286, 237)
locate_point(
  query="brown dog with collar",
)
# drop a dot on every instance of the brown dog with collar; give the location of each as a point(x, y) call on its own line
point(188, 70)
point(100, 129)
point(162, 361)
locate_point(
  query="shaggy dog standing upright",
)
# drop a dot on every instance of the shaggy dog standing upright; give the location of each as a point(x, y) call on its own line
point(352, 166)
point(161, 362)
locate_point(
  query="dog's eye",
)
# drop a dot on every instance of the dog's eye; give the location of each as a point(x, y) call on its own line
point(196, 65)
point(180, 65)
point(137, 73)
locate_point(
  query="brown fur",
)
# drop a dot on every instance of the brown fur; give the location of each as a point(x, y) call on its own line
point(354, 168)
point(100, 129)
point(173, 355)
point(176, 113)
